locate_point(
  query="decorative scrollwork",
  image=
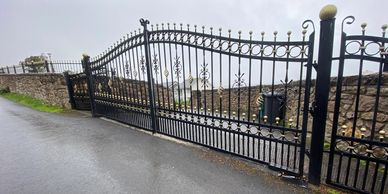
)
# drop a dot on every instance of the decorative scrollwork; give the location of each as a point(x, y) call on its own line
point(166, 73)
point(289, 91)
point(239, 82)
point(99, 87)
point(228, 45)
point(75, 87)
point(110, 83)
point(260, 100)
point(177, 67)
point(205, 75)
point(142, 62)
point(144, 22)
point(220, 90)
point(349, 20)
point(191, 79)
point(127, 68)
point(305, 24)
point(155, 62)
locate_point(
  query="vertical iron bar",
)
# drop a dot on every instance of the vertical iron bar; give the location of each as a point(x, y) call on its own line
point(70, 90)
point(89, 77)
point(151, 89)
point(336, 109)
point(24, 70)
point(47, 66)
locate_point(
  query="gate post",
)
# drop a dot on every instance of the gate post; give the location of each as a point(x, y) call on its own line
point(47, 66)
point(70, 89)
point(89, 78)
point(325, 53)
point(150, 78)
point(24, 70)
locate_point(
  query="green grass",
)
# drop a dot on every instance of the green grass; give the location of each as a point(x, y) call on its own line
point(31, 102)
point(333, 191)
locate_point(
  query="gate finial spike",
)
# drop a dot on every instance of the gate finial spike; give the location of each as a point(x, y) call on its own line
point(328, 12)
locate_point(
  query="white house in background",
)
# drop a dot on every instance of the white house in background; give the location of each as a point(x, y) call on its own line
point(182, 91)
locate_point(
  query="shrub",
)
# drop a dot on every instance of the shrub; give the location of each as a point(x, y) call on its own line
point(5, 90)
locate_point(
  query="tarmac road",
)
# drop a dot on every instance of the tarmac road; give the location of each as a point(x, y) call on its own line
point(74, 153)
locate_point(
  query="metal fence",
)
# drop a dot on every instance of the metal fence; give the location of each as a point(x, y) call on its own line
point(246, 95)
point(73, 66)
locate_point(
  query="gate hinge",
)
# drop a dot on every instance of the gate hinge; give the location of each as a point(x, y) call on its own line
point(315, 65)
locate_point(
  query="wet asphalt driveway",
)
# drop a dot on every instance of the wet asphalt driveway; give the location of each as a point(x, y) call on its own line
point(74, 153)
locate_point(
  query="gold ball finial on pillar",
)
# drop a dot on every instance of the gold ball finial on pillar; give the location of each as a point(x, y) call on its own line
point(328, 12)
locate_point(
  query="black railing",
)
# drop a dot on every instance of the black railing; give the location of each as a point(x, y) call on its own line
point(72, 66)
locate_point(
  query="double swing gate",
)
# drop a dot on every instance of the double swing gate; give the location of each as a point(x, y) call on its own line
point(207, 88)
point(248, 95)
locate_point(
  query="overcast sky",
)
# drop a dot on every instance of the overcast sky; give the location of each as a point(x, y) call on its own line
point(72, 27)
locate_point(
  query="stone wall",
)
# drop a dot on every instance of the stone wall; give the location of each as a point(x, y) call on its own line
point(366, 104)
point(48, 87)
point(367, 98)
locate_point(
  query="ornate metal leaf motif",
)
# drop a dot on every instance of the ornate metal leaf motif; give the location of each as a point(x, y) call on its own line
point(289, 91)
point(110, 83)
point(177, 67)
point(143, 69)
point(155, 62)
point(135, 73)
point(191, 79)
point(260, 100)
point(220, 90)
point(142, 62)
point(99, 87)
point(127, 68)
point(239, 82)
point(166, 73)
point(205, 74)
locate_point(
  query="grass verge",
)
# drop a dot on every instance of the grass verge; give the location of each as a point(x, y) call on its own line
point(31, 102)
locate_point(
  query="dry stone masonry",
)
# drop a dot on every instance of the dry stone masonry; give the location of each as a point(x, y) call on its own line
point(51, 88)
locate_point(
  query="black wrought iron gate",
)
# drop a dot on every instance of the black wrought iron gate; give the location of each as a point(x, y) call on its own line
point(358, 157)
point(249, 95)
point(78, 91)
point(208, 88)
